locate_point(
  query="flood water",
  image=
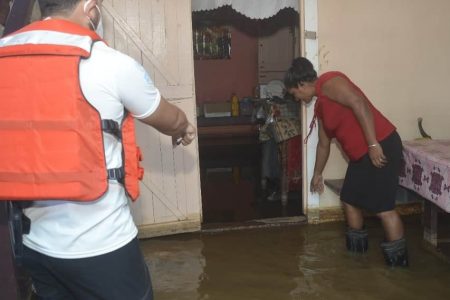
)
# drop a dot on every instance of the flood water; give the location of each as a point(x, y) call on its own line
point(291, 262)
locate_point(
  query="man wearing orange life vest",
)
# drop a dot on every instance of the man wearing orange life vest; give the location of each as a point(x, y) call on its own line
point(67, 102)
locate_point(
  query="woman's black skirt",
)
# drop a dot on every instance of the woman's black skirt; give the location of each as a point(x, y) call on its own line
point(371, 188)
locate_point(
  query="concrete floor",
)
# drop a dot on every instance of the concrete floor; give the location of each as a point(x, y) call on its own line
point(291, 262)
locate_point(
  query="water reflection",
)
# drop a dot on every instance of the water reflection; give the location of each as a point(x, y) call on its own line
point(250, 265)
point(302, 262)
point(176, 267)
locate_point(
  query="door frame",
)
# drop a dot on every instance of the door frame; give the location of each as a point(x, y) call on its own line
point(309, 48)
point(308, 45)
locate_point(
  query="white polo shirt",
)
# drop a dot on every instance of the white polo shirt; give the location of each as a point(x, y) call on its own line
point(110, 81)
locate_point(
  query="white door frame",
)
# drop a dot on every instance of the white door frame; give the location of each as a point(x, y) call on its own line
point(309, 49)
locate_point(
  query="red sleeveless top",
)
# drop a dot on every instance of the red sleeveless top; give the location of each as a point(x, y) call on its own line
point(340, 122)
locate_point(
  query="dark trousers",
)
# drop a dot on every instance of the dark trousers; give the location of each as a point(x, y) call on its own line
point(121, 274)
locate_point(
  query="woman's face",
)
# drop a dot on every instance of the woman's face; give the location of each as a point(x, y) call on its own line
point(303, 92)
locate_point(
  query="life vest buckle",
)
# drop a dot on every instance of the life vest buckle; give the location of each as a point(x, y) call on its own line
point(111, 127)
point(117, 174)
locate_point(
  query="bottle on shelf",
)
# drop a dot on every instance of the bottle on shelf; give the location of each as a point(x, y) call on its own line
point(234, 105)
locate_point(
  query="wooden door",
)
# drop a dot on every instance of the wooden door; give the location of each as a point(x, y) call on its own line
point(158, 34)
point(275, 54)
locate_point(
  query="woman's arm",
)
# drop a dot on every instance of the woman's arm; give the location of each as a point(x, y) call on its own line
point(322, 154)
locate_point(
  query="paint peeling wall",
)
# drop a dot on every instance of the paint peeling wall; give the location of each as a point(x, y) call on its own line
point(398, 52)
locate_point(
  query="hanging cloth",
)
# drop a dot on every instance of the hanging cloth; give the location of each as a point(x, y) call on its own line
point(253, 9)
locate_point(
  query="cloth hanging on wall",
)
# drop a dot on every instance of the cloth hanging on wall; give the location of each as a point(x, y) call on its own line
point(253, 9)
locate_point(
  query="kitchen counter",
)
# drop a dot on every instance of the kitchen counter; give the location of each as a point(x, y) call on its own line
point(218, 121)
point(227, 141)
point(227, 127)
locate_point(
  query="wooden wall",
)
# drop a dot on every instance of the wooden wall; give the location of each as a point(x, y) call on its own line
point(158, 34)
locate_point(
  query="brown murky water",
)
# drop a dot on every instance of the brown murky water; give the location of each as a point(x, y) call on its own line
point(296, 262)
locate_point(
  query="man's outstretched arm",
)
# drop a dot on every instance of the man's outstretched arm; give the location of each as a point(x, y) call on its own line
point(170, 120)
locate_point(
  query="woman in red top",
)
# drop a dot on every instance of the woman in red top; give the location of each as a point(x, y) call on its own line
point(372, 146)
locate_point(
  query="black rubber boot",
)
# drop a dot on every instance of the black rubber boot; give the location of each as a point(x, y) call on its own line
point(395, 253)
point(357, 240)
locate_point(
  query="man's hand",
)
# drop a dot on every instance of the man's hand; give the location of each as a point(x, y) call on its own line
point(189, 135)
point(377, 156)
point(317, 184)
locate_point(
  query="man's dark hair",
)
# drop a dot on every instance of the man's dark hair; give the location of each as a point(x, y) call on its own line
point(301, 70)
point(52, 7)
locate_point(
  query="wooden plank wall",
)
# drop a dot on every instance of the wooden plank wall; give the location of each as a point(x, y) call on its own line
point(158, 34)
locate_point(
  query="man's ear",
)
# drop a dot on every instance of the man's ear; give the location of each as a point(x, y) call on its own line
point(89, 7)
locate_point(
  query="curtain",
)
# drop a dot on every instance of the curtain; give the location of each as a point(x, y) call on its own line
point(253, 9)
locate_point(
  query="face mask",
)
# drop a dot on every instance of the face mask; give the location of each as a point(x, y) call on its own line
point(99, 28)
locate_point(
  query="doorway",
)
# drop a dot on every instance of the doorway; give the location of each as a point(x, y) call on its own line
point(249, 170)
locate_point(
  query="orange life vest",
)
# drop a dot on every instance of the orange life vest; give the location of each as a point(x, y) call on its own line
point(51, 137)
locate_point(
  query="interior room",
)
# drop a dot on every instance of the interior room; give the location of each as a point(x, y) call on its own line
point(251, 169)
point(249, 130)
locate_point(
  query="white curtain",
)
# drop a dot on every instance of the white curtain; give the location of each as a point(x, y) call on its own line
point(254, 9)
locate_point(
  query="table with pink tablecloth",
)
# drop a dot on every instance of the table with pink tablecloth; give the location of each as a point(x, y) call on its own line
point(426, 170)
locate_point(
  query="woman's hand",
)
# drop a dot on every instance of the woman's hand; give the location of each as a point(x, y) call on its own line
point(317, 184)
point(377, 156)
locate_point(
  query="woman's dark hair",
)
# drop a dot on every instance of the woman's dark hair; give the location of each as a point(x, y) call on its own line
point(301, 70)
point(52, 7)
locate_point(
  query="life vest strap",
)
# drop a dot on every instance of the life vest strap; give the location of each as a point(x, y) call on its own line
point(117, 174)
point(112, 127)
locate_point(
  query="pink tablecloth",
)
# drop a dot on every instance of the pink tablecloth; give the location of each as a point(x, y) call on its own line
point(426, 170)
